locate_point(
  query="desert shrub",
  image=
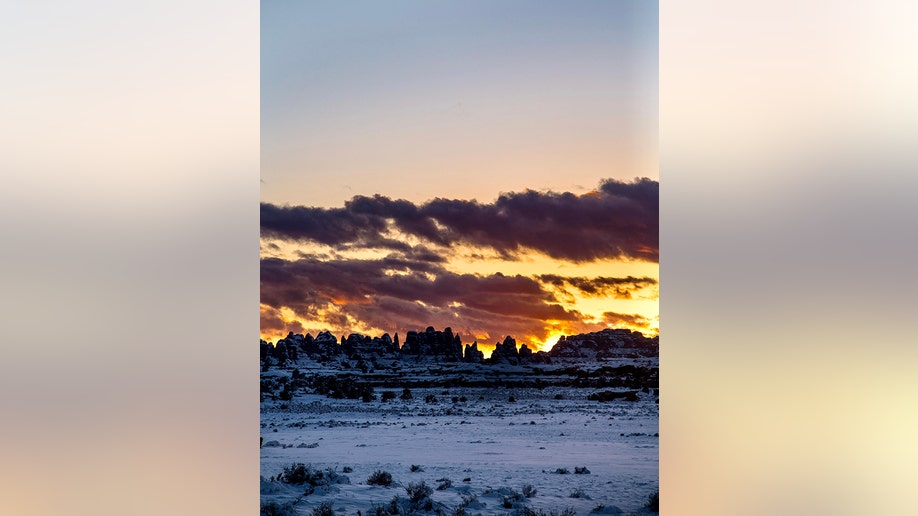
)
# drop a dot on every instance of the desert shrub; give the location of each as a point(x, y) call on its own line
point(415, 468)
point(301, 474)
point(399, 505)
point(562, 471)
point(463, 399)
point(653, 501)
point(430, 398)
point(511, 399)
point(347, 469)
point(296, 473)
point(529, 491)
point(377, 510)
point(511, 498)
point(380, 478)
point(418, 491)
point(406, 394)
point(277, 509)
point(455, 399)
point(267, 385)
point(581, 471)
point(528, 511)
point(341, 388)
point(388, 395)
point(418, 500)
point(325, 509)
point(559, 396)
point(286, 394)
point(445, 483)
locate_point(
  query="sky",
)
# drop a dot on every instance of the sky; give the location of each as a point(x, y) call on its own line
point(487, 166)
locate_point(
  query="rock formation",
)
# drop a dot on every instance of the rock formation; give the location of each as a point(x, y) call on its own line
point(606, 343)
point(431, 342)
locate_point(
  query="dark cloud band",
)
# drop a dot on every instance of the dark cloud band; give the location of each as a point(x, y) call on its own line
point(619, 220)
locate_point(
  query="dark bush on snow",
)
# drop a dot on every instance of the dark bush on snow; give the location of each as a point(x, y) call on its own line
point(326, 509)
point(418, 500)
point(510, 498)
point(415, 468)
point(529, 491)
point(380, 478)
point(528, 511)
point(301, 474)
point(341, 388)
point(578, 493)
point(276, 509)
point(388, 395)
point(418, 491)
point(581, 471)
point(377, 510)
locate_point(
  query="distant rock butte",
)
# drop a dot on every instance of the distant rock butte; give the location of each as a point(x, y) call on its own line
point(606, 343)
point(447, 346)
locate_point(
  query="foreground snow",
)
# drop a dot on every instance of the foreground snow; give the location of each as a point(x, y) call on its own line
point(485, 446)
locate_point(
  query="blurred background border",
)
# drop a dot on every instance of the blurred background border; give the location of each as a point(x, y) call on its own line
point(129, 227)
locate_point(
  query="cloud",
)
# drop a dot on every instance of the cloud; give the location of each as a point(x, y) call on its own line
point(619, 220)
point(397, 293)
point(633, 320)
point(620, 288)
point(273, 322)
point(403, 283)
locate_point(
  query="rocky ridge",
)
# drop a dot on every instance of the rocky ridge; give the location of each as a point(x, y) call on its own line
point(447, 346)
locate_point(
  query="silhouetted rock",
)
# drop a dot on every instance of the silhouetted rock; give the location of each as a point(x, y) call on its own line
point(506, 352)
point(357, 346)
point(327, 344)
point(446, 345)
point(265, 349)
point(606, 343)
point(472, 354)
point(540, 357)
point(431, 342)
point(525, 353)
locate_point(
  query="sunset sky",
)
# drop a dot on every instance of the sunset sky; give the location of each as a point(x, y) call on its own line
point(463, 164)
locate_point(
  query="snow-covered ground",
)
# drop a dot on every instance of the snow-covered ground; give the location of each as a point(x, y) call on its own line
point(485, 446)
